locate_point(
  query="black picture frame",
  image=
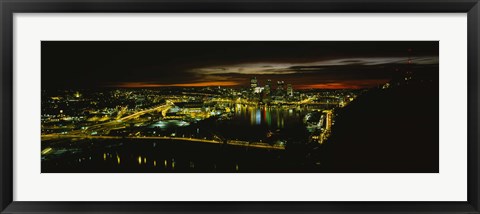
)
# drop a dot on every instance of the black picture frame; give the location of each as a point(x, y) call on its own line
point(9, 7)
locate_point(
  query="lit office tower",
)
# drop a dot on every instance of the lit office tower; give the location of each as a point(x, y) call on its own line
point(280, 85)
point(253, 83)
point(268, 86)
point(289, 90)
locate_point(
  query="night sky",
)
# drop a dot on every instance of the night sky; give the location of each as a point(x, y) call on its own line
point(306, 64)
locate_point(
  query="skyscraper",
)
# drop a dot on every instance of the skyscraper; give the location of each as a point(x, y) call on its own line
point(289, 90)
point(280, 85)
point(268, 87)
point(253, 83)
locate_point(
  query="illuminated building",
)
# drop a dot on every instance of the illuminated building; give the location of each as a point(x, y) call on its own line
point(268, 87)
point(328, 124)
point(77, 94)
point(258, 90)
point(289, 90)
point(280, 85)
point(253, 83)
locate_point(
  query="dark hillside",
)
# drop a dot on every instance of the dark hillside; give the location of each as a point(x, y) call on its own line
point(388, 130)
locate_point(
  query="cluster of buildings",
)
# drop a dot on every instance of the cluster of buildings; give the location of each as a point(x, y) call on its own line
point(270, 92)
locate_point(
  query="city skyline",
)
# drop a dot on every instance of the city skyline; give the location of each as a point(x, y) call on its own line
point(239, 107)
point(319, 65)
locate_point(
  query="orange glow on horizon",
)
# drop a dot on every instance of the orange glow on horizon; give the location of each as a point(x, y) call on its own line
point(328, 86)
point(153, 85)
point(344, 85)
point(347, 84)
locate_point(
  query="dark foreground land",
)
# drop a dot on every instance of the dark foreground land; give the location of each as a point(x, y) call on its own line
point(387, 131)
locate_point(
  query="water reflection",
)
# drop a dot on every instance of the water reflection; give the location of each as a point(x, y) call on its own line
point(258, 116)
point(270, 116)
point(174, 156)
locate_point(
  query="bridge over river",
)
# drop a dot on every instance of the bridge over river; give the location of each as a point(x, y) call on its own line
point(258, 145)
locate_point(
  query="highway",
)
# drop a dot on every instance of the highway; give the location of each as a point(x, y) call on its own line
point(111, 124)
point(134, 115)
point(86, 133)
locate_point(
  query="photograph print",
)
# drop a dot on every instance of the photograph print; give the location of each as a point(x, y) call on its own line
point(239, 107)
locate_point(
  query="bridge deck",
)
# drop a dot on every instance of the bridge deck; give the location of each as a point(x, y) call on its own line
point(229, 142)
